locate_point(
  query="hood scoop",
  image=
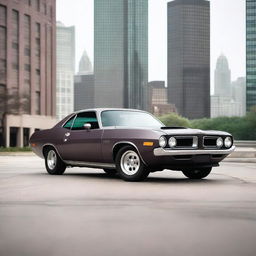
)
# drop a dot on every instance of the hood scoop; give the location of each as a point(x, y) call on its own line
point(172, 127)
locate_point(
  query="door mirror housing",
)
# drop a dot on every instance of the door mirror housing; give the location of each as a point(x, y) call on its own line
point(87, 126)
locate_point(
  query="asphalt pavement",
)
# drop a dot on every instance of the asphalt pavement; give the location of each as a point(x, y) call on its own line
point(86, 212)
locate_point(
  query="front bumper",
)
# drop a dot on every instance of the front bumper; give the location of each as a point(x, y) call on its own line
point(185, 152)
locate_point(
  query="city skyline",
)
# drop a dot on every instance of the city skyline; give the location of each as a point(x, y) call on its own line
point(227, 35)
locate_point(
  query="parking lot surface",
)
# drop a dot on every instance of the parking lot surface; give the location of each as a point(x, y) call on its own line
point(86, 212)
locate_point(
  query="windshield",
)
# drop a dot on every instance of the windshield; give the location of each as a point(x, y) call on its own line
point(129, 118)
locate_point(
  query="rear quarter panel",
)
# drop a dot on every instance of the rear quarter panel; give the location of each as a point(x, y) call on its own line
point(40, 138)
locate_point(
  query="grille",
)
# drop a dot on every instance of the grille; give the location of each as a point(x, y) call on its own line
point(186, 141)
point(210, 141)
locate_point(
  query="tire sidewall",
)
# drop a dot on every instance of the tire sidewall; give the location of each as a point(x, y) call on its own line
point(59, 167)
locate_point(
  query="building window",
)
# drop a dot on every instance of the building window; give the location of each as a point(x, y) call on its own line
point(38, 5)
point(27, 67)
point(45, 9)
point(37, 30)
point(2, 70)
point(37, 105)
point(27, 52)
point(2, 15)
point(15, 45)
point(15, 66)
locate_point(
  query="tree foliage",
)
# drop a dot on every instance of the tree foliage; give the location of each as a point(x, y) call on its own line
point(12, 102)
point(242, 128)
point(174, 119)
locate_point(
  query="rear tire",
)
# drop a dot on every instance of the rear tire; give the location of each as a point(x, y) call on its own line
point(129, 165)
point(110, 171)
point(53, 163)
point(197, 174)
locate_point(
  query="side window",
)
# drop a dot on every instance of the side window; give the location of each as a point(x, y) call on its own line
point(69, 123)
point(85, 117)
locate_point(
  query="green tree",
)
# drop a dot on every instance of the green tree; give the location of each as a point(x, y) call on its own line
point(173, 119)
point(12, 103)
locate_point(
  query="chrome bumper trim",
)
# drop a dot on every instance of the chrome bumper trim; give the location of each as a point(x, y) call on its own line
point(175, 152)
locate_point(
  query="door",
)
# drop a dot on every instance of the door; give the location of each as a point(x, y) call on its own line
point(80, 144)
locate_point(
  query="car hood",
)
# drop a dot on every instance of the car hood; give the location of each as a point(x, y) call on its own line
point(188, 131)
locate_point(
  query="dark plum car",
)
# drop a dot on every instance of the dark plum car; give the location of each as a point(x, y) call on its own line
point(129, 142)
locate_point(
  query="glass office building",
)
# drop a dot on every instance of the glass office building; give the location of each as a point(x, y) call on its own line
point(65, 61)
point(121, 53)
point(250, 54)
point(189, 57)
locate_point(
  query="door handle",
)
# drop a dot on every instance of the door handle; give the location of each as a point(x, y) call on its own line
point(67, 134)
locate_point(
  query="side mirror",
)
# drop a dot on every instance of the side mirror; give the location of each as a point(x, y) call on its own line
point(87, 126)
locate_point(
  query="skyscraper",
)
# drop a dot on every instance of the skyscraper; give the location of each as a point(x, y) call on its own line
point(228, 98)
point(27, 69)
point(85, 65)
point(189, 57)
point(239, 93)
point(65, 41)
point(121, 53)
point(222, 78)
point(250, 54)
point(84, 84)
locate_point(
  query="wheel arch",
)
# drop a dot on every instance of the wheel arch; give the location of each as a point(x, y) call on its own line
point(117, 146)
point(48, 145)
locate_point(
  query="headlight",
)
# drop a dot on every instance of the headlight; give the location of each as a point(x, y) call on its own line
point(219, 142)
point(172, 142)
point(162, 141)
point(228, 142)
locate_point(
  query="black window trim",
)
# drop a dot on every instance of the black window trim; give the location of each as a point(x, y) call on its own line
point(89, 111)
point(68, 121)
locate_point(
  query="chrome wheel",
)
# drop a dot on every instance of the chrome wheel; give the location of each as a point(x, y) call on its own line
point(130, 162)
point(51, 159)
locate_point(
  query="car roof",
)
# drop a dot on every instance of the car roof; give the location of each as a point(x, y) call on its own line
point(104, 109)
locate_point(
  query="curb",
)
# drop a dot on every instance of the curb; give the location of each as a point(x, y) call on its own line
point(17, 154)
point(239, 160)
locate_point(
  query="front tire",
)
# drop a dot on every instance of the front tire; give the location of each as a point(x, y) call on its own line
point(129, 165)
point(53, 163)
point(197, 174)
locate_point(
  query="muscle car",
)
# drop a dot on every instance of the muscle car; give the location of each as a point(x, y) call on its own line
point(131, 143)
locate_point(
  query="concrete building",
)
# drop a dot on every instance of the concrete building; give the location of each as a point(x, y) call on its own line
point(121, 53)
point(65, 44)
point(250, 54)
point(84, 85)
point(84, 92)
point(27, 69)
point(239, 93)
point(225, 106)
point(228, 98)
point(222, 78)
point(158, 99)
point(189, 57)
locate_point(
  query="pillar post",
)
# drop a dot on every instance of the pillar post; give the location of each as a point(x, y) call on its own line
point(7, 136)
point(20, 137)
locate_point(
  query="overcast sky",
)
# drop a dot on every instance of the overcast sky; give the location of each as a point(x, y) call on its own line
point(227, 33)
